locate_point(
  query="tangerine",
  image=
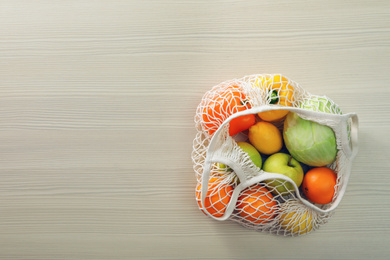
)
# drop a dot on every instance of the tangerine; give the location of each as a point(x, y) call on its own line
point(319, 185)
point(273, 115)
point(224, 103)
point(217, 198)
point(256, 204)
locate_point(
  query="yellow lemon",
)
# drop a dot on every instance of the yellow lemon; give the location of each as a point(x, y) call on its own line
point(296, 218)
point(265, 137)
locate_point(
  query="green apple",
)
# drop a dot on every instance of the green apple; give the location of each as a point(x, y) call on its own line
point(224, 167)
point(285, 164)
point(254, 155)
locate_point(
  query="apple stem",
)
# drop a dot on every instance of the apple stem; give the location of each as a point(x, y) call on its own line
point(289, 161)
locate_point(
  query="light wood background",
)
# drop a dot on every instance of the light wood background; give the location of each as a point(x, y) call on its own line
point(97, 100)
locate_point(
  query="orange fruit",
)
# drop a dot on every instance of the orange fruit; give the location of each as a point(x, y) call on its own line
point(319, 185)
point(221, 105)
point(217, 198)
point(265, 137)
point(256, 204)
point(273, 115)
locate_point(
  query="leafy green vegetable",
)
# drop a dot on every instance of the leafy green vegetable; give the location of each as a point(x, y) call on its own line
point(309, 142)
point(320, 104)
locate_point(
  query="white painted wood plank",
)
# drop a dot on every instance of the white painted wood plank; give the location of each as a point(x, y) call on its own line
point(97, 100)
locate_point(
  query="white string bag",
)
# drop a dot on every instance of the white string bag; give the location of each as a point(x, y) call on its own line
point(238, 191)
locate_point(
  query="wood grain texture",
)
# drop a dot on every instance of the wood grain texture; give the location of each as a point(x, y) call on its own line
point(97, 100)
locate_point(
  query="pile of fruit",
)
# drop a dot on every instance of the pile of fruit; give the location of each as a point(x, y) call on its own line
point(275, 141)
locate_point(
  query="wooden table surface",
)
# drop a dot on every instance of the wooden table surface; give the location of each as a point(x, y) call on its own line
point(97, 105)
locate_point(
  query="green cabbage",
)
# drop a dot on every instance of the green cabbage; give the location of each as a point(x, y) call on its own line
point(309, 142)
point(321, 104)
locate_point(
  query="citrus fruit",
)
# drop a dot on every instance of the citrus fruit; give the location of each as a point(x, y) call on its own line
point(224, 103)
point(265, 137)
point(273, 115)
point(217, 198)
point(319, 185)
point(256, 204)
point(295, 217)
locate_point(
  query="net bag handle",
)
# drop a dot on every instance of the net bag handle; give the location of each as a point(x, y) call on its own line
point(339, 122)
point(354, 135)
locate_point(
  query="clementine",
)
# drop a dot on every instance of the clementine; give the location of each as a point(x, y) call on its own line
point(217, 198)
point(273, 115)
point(319, 185)
point(256, 204)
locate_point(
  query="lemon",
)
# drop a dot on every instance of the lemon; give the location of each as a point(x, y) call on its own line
point(265, 137)
point(295, 217)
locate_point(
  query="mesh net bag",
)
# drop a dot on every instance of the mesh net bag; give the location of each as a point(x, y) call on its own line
point(231, 185)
